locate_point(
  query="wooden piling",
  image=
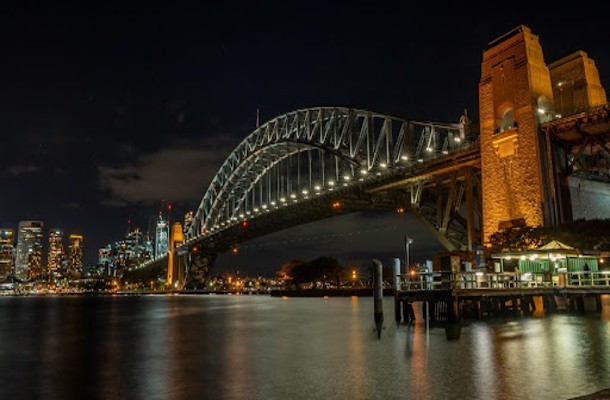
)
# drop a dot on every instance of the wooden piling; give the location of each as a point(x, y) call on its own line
point(378, 295)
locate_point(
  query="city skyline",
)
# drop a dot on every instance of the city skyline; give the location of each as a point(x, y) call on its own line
point(116, 133)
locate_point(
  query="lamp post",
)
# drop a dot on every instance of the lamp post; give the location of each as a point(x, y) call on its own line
point(408, 241)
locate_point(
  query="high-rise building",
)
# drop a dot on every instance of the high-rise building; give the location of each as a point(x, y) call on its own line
point(189, 217)
point(75, 255)
point(56, 252)
point(162, 237)
point(28, 260)
point(7, 243)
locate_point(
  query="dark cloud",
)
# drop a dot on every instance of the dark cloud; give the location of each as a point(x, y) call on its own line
point(179, 173)
point(24, 169)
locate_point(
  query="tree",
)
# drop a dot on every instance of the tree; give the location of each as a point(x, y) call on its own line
point(285, 273)
point(321, 269)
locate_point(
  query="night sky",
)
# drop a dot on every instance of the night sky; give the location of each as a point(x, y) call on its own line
point(106, 111)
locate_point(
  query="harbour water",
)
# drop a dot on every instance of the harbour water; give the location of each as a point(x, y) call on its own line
point(260, 347)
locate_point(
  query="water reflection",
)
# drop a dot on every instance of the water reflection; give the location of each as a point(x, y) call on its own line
point(257, 347)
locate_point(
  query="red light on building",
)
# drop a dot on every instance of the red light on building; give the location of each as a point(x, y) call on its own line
point(244, 224)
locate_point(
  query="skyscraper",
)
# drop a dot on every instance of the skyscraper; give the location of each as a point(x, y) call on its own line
point(56, 252)
point(189, 217)
point(28, 261)
point(162, 237)
point(75, 255)
point(7, 243)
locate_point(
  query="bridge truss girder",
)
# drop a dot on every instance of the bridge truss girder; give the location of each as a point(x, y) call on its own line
point(307, 152)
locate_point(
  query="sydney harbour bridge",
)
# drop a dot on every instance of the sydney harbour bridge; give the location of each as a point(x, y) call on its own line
point(462, 182)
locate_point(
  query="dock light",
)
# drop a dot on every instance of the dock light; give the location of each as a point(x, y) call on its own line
point(363, 171)
point(383, 165)
point(317, 187)
point(428, 149)
point(293, 196)
point(256, 209)
point(305, 192)
point(347, 177)
point(404, 158)
point(273, 203)
point(283, 199)
point(331, 183)
point(264, 206)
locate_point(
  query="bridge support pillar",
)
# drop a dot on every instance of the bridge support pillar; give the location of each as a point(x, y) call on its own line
point(515, 97)
point(198, 266)
point(175, 268)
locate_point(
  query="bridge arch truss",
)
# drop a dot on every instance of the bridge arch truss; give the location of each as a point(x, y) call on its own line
point(308, 152)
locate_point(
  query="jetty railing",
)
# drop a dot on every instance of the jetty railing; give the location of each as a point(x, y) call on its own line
point(438, 280)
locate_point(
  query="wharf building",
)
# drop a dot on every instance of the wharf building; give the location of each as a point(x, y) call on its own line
point(28, 259)
point(7, 247)
point(56, 252)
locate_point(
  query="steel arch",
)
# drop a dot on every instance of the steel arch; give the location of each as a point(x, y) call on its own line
point(360, 140)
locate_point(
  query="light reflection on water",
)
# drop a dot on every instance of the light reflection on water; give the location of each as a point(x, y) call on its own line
point(257, 347)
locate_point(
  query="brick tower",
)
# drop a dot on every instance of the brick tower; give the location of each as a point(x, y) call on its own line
point(515, 97)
